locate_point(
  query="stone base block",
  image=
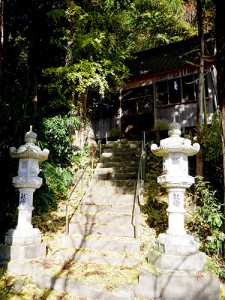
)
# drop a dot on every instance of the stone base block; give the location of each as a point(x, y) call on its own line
point(167, 262)
point(23, 237)
point(22, 253)
point(176, 244)
point(22, 268)
point(177, 287)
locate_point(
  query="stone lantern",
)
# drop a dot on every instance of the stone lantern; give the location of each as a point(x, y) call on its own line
point(24, 242)
point(175, 249)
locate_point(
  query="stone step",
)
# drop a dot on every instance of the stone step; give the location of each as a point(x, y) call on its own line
point(109, 158)
point(98, 258)
point(107, 259)
point(125, 168)
point(114, 183)
point(124, 156)
point(175, 286)
point(122, 151)
point(116, 164)
point(117, 183)
point(108, 199)
point(120, 143)
point(110, 190)
point(114, 176)
point(112, 230)
point(80, 290)
point(110, 208)
point(102, 218)
point(107, 210)
point(98, 242)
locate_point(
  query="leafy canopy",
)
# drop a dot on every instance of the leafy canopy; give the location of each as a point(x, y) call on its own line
point(99, 35)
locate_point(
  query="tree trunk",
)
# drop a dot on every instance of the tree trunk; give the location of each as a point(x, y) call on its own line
point(1, 38)
point(200, 114)
point(220, 59)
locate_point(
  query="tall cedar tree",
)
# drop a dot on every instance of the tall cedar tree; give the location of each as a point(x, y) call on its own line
point(220, 44)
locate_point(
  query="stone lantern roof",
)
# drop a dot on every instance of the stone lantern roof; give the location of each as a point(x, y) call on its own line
point(29, 150)
point(174, 143)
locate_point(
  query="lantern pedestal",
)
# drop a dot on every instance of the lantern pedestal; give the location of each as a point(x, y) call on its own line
point(175, 250)
point(24, 242)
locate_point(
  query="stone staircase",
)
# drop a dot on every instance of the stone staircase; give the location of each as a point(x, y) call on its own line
point(103, 229)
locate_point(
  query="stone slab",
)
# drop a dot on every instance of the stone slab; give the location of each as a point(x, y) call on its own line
point(122, 169)
point(177, 287)
point(79, 289)
point(110, 190)
point(121, 155)
point(22, 268)
point(121, 150)
point(115, 176)
point(123, 143)
point(111, 230)
point(99, 218)
point(168, 262)
point(106, 208)
point(116, 169)
point(150, 286)
point(69, 286)
point(116, 183)
point(15, 252)
point(101, 244)
point(98, 259)
point(109, 199)
point(122, 159)
point(22, 237)
point(115, 164)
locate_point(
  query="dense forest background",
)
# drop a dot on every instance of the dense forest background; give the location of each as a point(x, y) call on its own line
point(55, 54)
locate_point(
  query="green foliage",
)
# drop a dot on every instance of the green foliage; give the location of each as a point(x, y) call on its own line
point(207, 219)
point(155, 209)
point(153, 170)
point(81, 157)
point(56, 183)
point(77, 79)
point(98, 36)
point(57, 179)
point(211, 143)
point(214, 266)
point(55, 136)
point(44, 200)
point(116, 132)
point(155, 206)
point(159, 22)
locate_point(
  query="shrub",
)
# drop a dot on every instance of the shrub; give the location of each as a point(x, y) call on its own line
point(44, 200)
point(207, 218)
point(155, 206)
point(211, 144)
point(57, 179)
point(56, 137)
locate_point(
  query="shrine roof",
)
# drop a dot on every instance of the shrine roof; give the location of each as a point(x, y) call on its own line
point(168, 57)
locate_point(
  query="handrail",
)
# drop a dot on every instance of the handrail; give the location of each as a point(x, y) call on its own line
point(80, 179)
point(140, 178)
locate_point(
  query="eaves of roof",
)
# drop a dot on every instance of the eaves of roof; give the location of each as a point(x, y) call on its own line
point(165, 58)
